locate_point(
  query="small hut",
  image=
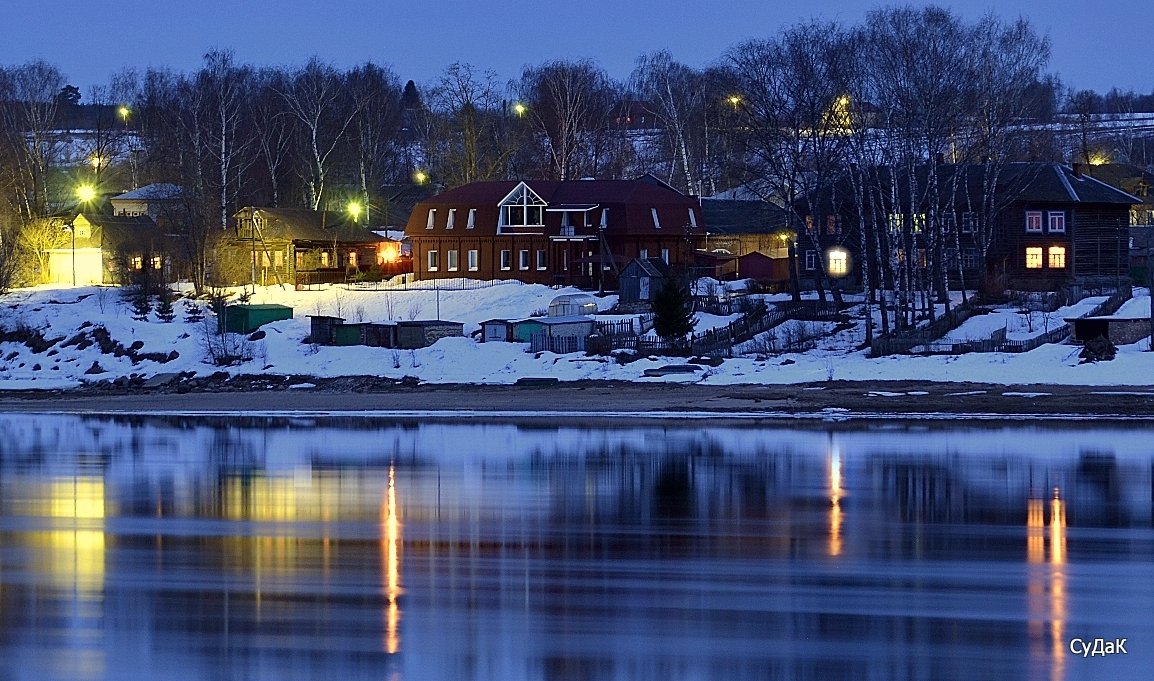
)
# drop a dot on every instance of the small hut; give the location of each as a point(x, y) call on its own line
point(641, 279)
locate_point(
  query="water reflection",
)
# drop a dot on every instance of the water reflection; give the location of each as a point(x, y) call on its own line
point(308, 549)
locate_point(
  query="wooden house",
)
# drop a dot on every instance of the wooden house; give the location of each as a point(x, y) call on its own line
point(109, 249)
point(577, 232)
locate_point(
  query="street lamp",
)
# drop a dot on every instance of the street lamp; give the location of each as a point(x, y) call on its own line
point(520, 109)
point(420, 177)
point(71, 229)
point(124, 111)
point(354, 209)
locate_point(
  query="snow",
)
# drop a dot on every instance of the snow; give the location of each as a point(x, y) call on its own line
point(60, 313)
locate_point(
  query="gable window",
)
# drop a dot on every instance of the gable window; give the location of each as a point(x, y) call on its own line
point(1034, 258)
point(434, 260)
point(472, 220)
point(656, 220)
point(472, 260)
point(692, 219)
point(810, 260)
point(969, 222)
point(431, 219)
point(1057, 221)
point(523, 259)
point(523, 208)
point(1034, 221)
point(541, 260)
point(1057, 257)
point(506, 260)
point(451, 218)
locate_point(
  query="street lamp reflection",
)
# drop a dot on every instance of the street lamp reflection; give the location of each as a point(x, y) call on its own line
point(835, 495)
point(1046, 588)
point(390, 540)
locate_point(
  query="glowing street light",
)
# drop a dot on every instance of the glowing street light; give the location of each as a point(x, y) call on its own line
point(354, 209)
point(420, 177)
point(86, 193)
point(734, 101)
point(124, 112)
point(520, 109)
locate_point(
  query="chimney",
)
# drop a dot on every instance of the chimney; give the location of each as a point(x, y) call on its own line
point(1077, 170)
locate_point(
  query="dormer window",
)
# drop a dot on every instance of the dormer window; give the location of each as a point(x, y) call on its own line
point(656, 219)
point(451, 219)
point(472, 219)
point(431, 219)
point(523, 208)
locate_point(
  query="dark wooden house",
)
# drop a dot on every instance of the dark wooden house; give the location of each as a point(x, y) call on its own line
point(548, 232)
point(641, 279)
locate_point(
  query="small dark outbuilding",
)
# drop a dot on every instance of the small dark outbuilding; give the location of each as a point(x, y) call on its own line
point(641, 279)
point(423, 333)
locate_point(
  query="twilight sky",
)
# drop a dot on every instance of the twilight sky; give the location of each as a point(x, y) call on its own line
point(1095, 44)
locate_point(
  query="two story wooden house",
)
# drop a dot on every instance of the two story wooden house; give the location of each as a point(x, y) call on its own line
point(579, 232)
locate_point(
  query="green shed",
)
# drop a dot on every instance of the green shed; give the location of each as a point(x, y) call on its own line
point(347, 334)
point(248, 318)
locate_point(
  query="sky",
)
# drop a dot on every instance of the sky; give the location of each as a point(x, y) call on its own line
point(1096, 45)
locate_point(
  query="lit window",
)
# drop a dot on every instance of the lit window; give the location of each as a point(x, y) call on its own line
point(137, 262)
point(1057, 222)
point(506, 260)
point(838, 263)
point(278, 258)
point(472, 259)
point(1033, 258)
point(472, 222)
point(352, 258)
point(156, 262)
point(656, 220)
point(1034, 221)
point(451, 218)
point(541, 261)
point(811, 260)
point(895, 221)
point(919, 223)
point(1057, 257)
point(524, 209)
point(434, 261)
point(523, 259)
point(432, 218)
point(451, 260)
point(324, 258)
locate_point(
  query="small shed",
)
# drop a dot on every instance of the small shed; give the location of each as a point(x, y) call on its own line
point(1117, 330)
point(322, 329)
point(572, 304)
point(642, 278)
point(552, 327)
point(421, 333)
point(496, 330)
point(249, 318)
point(759, 266)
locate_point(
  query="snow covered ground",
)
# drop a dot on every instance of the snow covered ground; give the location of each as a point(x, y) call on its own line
point(61, 313)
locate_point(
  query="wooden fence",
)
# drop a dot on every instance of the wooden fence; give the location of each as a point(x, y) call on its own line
point(901, 342)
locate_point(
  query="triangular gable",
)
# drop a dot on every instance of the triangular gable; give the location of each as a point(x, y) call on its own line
point(526, 195)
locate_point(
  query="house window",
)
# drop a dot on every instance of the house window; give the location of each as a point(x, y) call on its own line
point(833, 224)
point(1057, 257)
point(919, 223)
point(810, 260)
point(156, 262)
point(541, 261)
point(352, 262)
point(137, 262)
point(1057, 222)
point(324, 258)
point(692, 219)
point(523, 259)
point(969, 258)
point(506, 260)
point(472, 260)
point(264, 260)
point(434, 260)
point(451, 218)
point(431, 219)
point(656, 220)
point(451, 260)
point(278, 258)
point(523, 209)
point(949, 222)
point(1034, 221)
point(969, 222)
point(300, 260)
point(1033, 258)
point(665, 255)
point(895, 222)
point(809, 224)
point(838, 263)
point(472, 220)
point(644, 253)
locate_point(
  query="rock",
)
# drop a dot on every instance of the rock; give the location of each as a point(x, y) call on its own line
point(410, 381)
point(95, 369)
point(259, 334)
point(36, 367)
point(136, 345)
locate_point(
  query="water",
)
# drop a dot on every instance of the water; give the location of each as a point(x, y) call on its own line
point(349, 549)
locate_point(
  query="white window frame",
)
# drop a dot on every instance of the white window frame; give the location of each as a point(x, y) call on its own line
point(525, 202)
point(431, 219)
point(523, 259)
point(656, 218)
point(1033, 222)
point(542, 259)
point(1056, 221)
point(1059, 251)
point(692, 219)
point(506, 260)
point(433, 260)
point(451, 218)
point(810, 261)
point(451, 260)
point(472, 260)
point(969, 222)
point(472, 221)
point(1034, 254)
point(643, 254)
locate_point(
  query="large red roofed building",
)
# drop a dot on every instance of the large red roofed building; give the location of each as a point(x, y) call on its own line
point(577, 232)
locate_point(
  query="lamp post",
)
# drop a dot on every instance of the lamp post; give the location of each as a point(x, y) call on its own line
point(71, 229)
point(86, 193)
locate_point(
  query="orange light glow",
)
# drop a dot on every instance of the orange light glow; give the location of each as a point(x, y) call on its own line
point(835, 494)
point(390, 540)
point(388, 252)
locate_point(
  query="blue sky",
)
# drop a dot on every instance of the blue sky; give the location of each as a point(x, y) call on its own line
point(1096, 44)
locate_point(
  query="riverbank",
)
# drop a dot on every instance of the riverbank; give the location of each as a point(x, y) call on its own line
point(607, 398)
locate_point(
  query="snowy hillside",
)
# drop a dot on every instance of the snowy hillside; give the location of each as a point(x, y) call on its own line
point(74, 352)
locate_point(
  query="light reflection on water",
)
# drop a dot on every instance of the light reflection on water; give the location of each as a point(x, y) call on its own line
point(279, 549)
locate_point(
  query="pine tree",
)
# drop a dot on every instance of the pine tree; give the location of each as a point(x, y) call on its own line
point(141, 305)
point(164, 309)
point(673, 313)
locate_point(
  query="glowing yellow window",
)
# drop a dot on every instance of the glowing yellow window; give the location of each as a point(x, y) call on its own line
point(1057, 257)
point(1033, 258)
point(838, 263)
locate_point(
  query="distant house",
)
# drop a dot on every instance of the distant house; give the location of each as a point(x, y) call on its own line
point(1134, 180)
point(578, 232)
point(154, 200)
point(739, 227)
point(107, 249)
point(298, 246)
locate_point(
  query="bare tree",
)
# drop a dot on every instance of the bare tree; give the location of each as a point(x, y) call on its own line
point(375, 93)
